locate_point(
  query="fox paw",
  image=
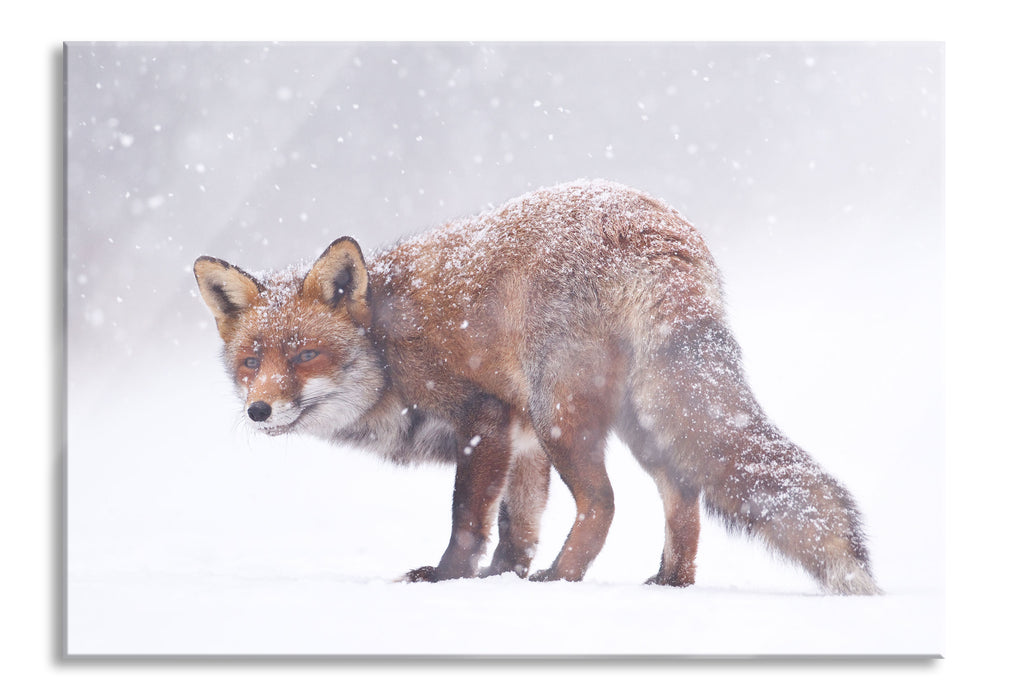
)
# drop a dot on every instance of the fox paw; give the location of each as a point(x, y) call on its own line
point(553, 574)
point(496, 570)
point(670, 581)
point(424, 573)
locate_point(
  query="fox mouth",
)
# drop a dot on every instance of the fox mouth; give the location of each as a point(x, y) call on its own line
point(274, 430)
point(281, 429)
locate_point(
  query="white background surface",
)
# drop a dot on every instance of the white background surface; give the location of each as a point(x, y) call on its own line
point(974, 416)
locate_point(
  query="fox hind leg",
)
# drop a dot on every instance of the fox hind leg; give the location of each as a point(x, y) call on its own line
point(681, 505)
point(573, 431)
point(683, 528)
point(593, 494)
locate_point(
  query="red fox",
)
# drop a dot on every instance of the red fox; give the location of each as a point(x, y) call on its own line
point(519, 339)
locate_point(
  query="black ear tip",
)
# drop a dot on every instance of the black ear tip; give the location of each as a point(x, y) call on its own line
point(200, 262)
point(345, 240)
point(208, 260)
point(209, 263)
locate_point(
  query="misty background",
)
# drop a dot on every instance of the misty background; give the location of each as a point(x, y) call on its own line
point(263, 154)
point(814, 172)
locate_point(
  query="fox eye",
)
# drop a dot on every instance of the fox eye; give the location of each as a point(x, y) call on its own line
point(306, 355)
point(251, 362)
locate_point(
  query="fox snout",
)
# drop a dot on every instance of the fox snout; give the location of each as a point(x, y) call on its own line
point(259, 411)
point(272, 417)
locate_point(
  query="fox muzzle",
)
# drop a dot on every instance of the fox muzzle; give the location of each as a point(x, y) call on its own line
point(259, 411)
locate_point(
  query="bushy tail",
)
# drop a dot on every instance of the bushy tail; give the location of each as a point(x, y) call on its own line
point(690, 395)
point(775, 492)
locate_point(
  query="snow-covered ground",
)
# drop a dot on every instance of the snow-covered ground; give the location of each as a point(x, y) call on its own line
point(189, 535)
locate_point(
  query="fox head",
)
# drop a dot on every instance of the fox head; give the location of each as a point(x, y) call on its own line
point(296, 345)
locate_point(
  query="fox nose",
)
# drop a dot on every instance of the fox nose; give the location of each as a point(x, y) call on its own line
point(259, 411)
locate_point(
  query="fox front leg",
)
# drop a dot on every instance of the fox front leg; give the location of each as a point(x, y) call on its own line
point(522, 505)
point(482, 459)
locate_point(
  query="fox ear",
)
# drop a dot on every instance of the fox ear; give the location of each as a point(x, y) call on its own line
point(338, 276)
point(227, 290)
